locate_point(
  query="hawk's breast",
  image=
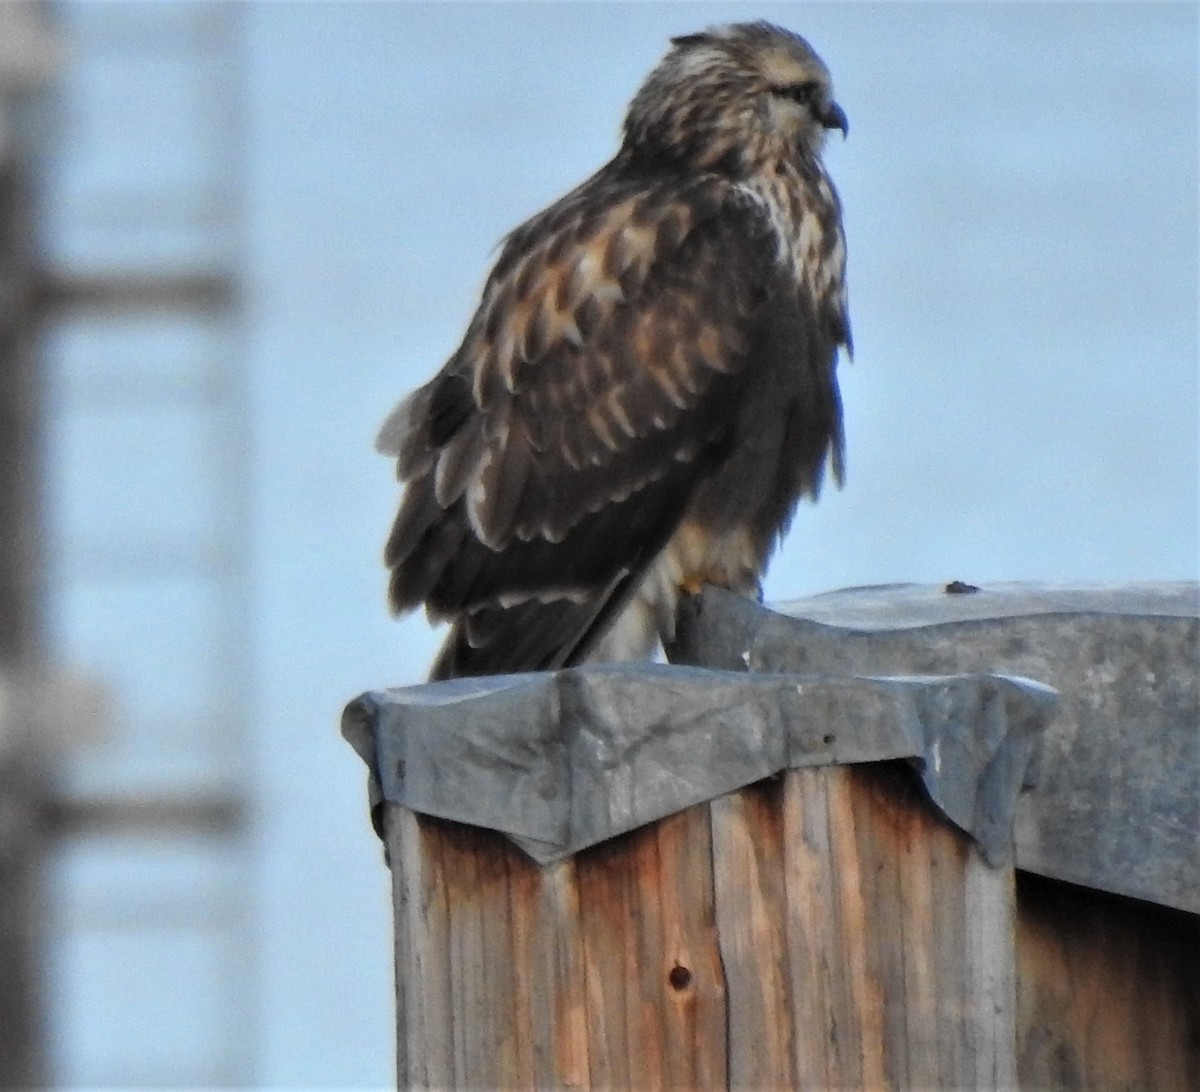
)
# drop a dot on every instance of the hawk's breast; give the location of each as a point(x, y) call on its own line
point(805, 215)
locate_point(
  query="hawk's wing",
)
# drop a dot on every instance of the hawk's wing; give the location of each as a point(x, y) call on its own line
point(555, 453)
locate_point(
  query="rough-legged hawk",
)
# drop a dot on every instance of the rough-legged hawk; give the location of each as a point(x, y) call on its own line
point(648, 386)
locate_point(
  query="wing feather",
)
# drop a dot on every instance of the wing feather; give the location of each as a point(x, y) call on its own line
point(594, 390)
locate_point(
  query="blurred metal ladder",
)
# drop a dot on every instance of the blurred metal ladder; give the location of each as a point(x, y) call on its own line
point(153, 978)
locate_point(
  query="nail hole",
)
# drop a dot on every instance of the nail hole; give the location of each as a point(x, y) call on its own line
point(828, 738)
point(680, 978)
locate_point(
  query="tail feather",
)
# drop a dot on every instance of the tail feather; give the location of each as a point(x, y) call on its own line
point(534, 635)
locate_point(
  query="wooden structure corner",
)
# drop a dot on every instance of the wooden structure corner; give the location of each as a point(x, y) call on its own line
point(824, 928)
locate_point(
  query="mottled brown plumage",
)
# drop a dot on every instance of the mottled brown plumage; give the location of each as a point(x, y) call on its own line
point(648, 385)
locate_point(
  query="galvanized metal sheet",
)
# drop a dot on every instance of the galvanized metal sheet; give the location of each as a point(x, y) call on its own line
point(1118, 800)
point(565, 760)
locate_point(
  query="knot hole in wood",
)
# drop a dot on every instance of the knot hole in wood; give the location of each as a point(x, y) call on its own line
point(679, 977)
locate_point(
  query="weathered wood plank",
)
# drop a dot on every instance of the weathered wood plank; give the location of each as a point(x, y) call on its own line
point(604, 876)
point(860, 1000)
point(547, 962)
point(826, 929)
point(689, 970)
point(990, 980)
point(842, 914)
point(1108, 991)
point(808, 883)
point(890, 986)
point(560, 934)
point(947, 863)
point(820, 975)
point(601, 971)
point(872, 818)
point(423, 1001)
point(747, 838)
point(459, 888)
point(919, 886)
point(482, 959)
point(655, 993)
point(532, 981)
point(498, 1031)
point(951, 934)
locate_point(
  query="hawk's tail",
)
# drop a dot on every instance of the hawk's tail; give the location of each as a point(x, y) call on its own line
point(533, 635)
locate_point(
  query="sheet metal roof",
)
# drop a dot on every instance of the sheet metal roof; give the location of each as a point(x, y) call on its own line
point(1117, 804)
point(962, 682)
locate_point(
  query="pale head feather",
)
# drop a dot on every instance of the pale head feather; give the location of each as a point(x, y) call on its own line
point(733, 99)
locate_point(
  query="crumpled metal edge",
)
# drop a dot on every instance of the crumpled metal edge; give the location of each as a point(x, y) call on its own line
point(564, 760)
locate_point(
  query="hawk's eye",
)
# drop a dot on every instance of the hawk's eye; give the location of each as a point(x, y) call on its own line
point(803, 93)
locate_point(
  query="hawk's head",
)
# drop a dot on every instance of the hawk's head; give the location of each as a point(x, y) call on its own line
point(734, 99)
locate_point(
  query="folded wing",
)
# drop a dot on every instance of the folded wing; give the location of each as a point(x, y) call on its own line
point(596, 388)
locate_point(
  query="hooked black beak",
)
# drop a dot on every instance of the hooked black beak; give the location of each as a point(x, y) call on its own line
point(834, 117)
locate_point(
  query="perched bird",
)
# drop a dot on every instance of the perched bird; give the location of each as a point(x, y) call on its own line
point(648, 386)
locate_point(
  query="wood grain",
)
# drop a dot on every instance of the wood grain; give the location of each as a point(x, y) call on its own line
point(747, 830)
point(655, 994)
point(823, 929)
point(600, 971)
point(1108, 991)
